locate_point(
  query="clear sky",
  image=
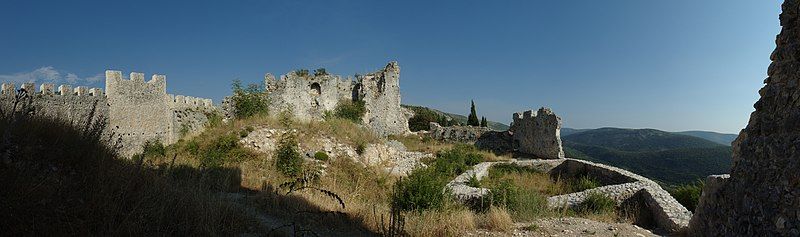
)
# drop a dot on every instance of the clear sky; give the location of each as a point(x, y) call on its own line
point(671, 65)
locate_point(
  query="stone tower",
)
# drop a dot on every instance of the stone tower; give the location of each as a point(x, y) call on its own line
point(761, 197)
point(381, 93)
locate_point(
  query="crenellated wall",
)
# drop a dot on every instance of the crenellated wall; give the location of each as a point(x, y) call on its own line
point(71, 105)
point(135, 110)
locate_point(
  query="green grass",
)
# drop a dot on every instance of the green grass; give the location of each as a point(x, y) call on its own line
point(688, 194)
point(597, 203)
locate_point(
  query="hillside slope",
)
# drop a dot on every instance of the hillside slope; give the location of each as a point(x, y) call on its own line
point(638, 139)
point(721, 138)
point(667, 157)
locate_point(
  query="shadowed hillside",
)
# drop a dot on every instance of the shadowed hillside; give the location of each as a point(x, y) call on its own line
point(663, 156)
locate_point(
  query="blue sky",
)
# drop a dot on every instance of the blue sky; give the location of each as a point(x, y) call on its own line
point(671, 65)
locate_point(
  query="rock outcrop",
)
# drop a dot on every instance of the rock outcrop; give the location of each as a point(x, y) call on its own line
point(761, 197)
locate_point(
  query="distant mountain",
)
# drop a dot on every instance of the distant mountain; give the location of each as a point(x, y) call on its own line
point(638, 139)
point(721, 138)
point(570, 131)
point(497, 126)
point(663, 156)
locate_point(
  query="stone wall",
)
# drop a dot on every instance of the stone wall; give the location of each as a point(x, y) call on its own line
point(761, 197)
point(309, 97)
point(656, 209)
point(68, 105)
point(538, 134)
point(466, 134)
point(135, 110)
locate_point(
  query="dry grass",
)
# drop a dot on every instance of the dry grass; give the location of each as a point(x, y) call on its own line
point(497, 219)
point(63, 181)
point(419, 143)
point(446, 222)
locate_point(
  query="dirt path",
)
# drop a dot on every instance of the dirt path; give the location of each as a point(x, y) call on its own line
point(569, 226)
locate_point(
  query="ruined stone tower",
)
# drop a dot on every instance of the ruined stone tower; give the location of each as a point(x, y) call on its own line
point(761, 197)
point(309, 97)
point(538, 133)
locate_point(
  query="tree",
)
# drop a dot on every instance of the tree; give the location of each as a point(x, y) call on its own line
point(472, 120)
point(320, 72)
point(484, 123)
point(248, 101)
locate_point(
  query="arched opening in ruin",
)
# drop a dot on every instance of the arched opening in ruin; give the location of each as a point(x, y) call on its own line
point(316, 89)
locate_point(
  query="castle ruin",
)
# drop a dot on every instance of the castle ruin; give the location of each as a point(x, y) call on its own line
point(135, 110)
point(761, 196)
point(309, 97)
point(538, 134)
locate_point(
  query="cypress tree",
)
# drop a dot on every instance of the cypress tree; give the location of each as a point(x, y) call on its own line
point(472, 120)
point(484, 123)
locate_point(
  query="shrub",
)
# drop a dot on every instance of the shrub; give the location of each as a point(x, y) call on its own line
point(301, 72)
point(154, 148)
point(455, 161)
point(422, 119)
point(584, 183)
point(596, 203)
point(221, 149)
point(185, 127)
point(474, 182)
point(321, 155)
point(193, 147)
point(214, 119)
point(350, 110)
point(248, 101)
point(360, 148)
point(320, 72)
point(688, 194)
point(421, 190)
point(287, 159)
point(505, 194)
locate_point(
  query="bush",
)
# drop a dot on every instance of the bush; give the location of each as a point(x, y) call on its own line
point(474, 182)
point(214, 119)
point(421, 190)
point(596, 203)
point(504, 194)
point(321, 155)
point(249, 101)
point(584, 183)
point(360, 148)
point(688, 194)
point(193, 147)
point(221, 150)
point(153, 148)
point(455, 161)
point(350, 110)
point(422, 119)
point(287, 159)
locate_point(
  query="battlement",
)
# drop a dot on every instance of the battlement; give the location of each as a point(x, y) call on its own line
point(48, 89)
point(179, 101)
point(116, 84)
